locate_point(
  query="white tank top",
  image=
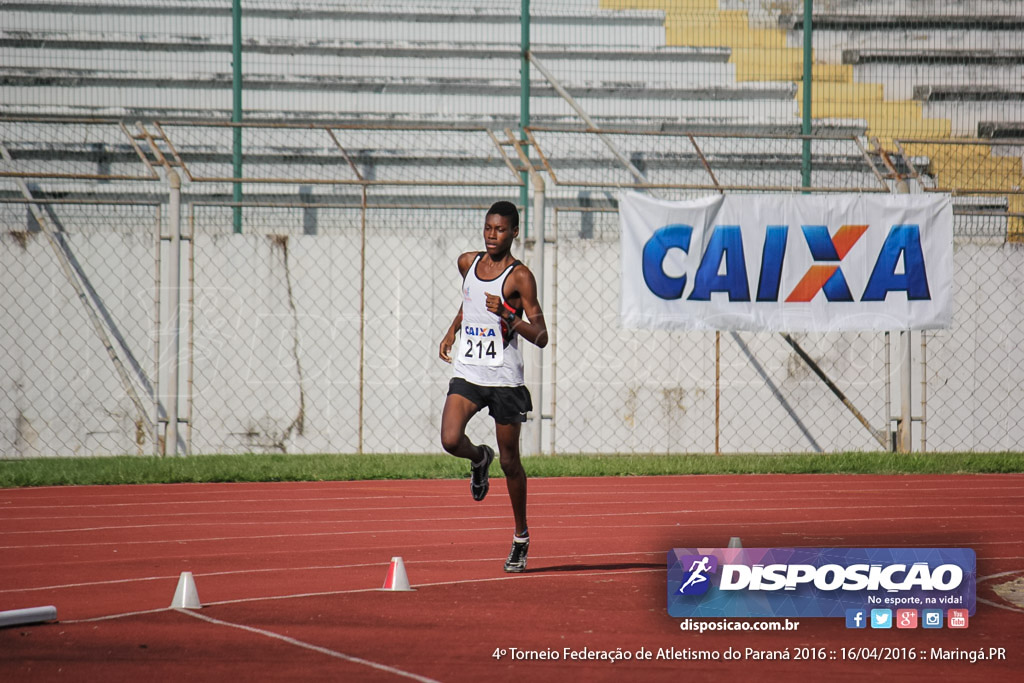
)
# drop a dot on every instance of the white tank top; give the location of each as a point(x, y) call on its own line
point(482, 354)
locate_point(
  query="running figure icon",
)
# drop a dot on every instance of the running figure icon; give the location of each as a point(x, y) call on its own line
point(697, 571)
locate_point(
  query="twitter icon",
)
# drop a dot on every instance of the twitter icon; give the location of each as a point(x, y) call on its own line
point(881, 618)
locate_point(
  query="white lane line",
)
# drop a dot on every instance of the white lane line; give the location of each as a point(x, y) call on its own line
point(333, 567)
point(1008, 608)
point(646, 503)
point(702, 525)
point(233, 572)
point(540, 574)
point(945, 506)
point(435, 584)
point(309, 646)
point(999, 575)
point(456, 506)
point(996, 604)
point(731, 509)
point(773, 493)
point(108, 617)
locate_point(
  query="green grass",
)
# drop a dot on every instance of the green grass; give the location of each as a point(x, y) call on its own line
point(227, 468)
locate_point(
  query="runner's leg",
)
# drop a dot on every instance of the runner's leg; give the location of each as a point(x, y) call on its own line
point(515, 476)
point(456, 415)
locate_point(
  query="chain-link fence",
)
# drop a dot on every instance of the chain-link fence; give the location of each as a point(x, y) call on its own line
point(316, 328)
point(74, 293)
point(911, 68)
point(319, 239)
point(905, 76)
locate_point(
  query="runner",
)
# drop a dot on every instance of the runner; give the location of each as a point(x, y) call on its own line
point(499, 305)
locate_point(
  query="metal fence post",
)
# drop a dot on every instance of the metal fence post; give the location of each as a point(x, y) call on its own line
point(718, 392)
point(805, 165)
point(524, 105)
point(905, 409)
point(236, 109)
point(537, 266)
point(538, 223)
point(173, 325)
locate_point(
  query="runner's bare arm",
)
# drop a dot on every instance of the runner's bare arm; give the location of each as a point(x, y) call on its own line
point(449, 338)
point(465, 261)
point(531, 327)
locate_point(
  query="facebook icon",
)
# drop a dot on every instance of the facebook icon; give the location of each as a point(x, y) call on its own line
point(856, 618)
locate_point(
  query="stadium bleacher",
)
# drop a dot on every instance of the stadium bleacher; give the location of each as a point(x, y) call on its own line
point(910, 70)
point(715, 66)
point(320, 62)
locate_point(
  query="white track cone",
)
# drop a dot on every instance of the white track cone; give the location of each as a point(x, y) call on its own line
point(397, 579)
point(186, 596)
point(734, 542)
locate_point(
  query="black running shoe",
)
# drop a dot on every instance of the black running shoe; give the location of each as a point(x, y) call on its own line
point(516, 561)
point(480, 482)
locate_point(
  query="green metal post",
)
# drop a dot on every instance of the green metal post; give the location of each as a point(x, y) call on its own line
point(236, 109)
point(808, 63)
point(524, 107)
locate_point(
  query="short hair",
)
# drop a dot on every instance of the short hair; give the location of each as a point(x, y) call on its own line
point(507, 209)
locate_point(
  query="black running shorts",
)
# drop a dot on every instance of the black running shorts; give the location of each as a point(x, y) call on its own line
point(507, 405)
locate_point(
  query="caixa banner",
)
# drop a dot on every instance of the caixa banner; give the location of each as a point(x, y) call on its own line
point(817, 582)
point(800, 263)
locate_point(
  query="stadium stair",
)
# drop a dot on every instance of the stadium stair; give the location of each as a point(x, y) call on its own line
point(761, 52)
point(332, 63)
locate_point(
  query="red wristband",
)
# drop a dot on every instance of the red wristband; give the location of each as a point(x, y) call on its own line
point(508, 308)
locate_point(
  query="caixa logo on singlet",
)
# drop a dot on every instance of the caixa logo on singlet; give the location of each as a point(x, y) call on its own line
point(697, 568)
point(480, 331)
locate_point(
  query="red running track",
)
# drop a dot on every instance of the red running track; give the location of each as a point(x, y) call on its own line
point(288, 572)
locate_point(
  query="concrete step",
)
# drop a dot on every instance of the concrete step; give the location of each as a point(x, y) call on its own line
point(939, 16)
point(438, 98)
point(830, 45)
point(967, 106)
point(970, 166)
point(761, 126)
point(77, 78)
point(847, 92)
point(900, 80)
point(1001, 129)
point(970, 93)
point(786, 64)
point(277, 45)
point(659, 68)
point(731, 28)
point(965, 116)
point(978, 55)
point(491, 24)
point(919, 7)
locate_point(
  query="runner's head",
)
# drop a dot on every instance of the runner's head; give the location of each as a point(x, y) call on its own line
point(507, 209)
point(501, 227)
